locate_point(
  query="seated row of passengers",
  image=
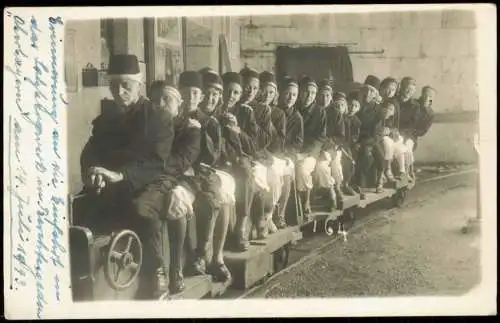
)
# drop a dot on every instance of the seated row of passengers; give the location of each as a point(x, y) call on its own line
point(234, 144)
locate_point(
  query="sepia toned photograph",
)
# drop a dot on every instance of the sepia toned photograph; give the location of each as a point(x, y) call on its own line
point(259, 156)
point(215, 151)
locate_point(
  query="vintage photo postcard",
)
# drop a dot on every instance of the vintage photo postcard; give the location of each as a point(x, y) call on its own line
point(249, 161)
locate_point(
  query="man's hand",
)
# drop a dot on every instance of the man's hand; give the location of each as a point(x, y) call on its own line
point(230, 119)
point(234, 129)
point(94, 180)
point(108, 175)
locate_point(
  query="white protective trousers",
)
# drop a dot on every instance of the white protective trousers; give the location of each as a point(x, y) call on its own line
point(395, 149)
point(181, 203)
point(228, 187)
point(303, 175)
point(328, 171)
point(280, 168)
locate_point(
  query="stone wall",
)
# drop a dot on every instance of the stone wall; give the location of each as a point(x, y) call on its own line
point(436, 48)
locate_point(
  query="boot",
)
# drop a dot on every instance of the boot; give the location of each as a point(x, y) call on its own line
point(242, 243)
point(362, 194)
point(380, 182)
point(271, 227)
point(388, 171)
point(200, 266)
point(280, 222)
point(160, 283)
point(347, 189)
point(340, 197)
point(411, 174)
point(220, 272)
point(332, 195)
point(262, 229)
point(177, 235)
point(305, 198)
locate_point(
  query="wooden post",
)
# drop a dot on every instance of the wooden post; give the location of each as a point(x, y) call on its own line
point(184, 41)
point(150, 52)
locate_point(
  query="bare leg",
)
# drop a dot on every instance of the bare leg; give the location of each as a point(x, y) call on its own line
point(219, 269)
point(207, 215)
point(283, 201)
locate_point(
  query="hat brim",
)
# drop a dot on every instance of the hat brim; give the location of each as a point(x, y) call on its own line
point(215, 85)
point(270, 83)
point(371, 87)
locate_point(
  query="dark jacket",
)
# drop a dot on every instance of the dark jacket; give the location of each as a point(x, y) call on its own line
point(294, 134)
point(249, 129)
point(211, 139)
point(278, 119)
point(314, 129)
point(369, 117)
point(408, 112)
point(352, 128)
point(335, 128)
point(136, 142)
point(185, 148)
point(265, 130)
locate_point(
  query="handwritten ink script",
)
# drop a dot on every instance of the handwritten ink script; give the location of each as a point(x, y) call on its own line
point(34, 108)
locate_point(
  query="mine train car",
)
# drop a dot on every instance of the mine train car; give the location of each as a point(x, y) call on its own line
point(106, 260)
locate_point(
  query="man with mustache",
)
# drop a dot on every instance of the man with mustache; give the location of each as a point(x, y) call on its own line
point(130, 142)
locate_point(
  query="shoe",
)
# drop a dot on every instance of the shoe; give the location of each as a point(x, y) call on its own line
point(389, 176)
point(160, 284)
point(200, 267)
point(272, 228)
point(379, 189)
point(281, 223)
point(176, 284)
point(348, 190)
point(220, 272)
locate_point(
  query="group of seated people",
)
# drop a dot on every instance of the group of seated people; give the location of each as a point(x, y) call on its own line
point(219, 148)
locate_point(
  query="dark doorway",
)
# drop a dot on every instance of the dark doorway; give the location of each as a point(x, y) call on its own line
point(317, 62)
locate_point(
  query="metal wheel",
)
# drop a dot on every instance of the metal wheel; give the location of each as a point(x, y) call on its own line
point(400, 197)
point(123, 260)
point(281, 257)
point(330, 227)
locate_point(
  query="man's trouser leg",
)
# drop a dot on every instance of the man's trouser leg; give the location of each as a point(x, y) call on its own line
point(147, 208)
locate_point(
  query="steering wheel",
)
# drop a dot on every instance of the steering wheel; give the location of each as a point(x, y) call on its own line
point(123, 260)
